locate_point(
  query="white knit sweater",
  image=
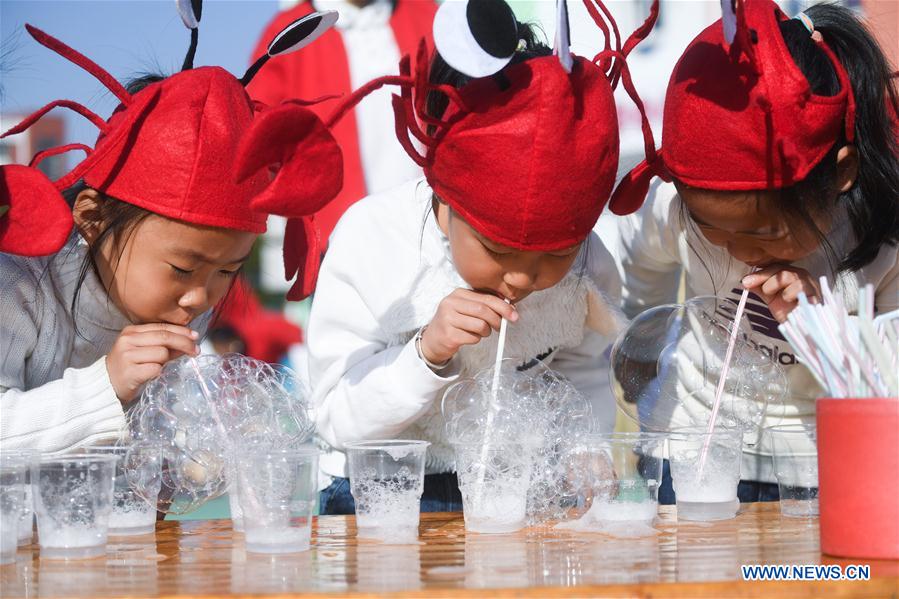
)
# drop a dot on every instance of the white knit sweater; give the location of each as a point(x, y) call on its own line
point(55, 392)
point(656, 244)
point(387, 268)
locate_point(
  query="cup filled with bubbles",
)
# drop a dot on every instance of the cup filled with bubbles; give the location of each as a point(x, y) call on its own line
point(512, 434)
point(386, 481)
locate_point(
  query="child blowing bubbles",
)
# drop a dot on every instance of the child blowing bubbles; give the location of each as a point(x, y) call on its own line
point(165, 209)
point(520, 158)
point(161, 274)
point(781, 148)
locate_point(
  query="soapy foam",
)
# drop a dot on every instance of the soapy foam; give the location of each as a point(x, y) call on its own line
point(495, 512)
point(719, 480)
point(388, 515)
point(398, 452)
point(72, 541)
point(622, 511)
point(623, 519)
point(387, 509)
point(132, 518)
point(278, 539)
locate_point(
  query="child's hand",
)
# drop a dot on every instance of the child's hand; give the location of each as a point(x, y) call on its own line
point(464, 317)
point(140, 352)
point(779, 285)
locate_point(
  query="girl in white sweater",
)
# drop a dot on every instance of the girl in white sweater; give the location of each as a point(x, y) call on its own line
point(776, 179)
point(159, 218)
point(417, 280)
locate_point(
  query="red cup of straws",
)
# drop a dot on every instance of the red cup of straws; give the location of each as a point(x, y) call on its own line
point(858, 462)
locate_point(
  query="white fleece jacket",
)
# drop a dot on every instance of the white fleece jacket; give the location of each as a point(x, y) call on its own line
point(387, 268)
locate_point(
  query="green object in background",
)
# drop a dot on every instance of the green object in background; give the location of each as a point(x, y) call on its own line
point(525, 10)
point(298, 312)
point(217, 509)
point(211, 510)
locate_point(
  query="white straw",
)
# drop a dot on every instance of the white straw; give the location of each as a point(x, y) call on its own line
point(497, 365)
point(851, 356)
point(491, 409)
point(725, 367)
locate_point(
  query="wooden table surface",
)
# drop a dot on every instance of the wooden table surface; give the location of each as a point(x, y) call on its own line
point(207, 559)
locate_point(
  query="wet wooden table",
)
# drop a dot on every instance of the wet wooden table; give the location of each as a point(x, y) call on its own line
point(207, 559)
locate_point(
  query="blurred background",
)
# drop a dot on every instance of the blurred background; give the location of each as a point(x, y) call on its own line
point(133, 37)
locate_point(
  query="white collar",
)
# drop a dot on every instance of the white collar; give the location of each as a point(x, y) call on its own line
point(376, 14)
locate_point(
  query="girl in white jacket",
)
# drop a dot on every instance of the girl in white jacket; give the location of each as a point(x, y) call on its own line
point(770, 181)
point(417, 280)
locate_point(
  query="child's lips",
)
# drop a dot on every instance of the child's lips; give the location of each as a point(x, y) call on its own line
point(181, 322)
point(759, 264)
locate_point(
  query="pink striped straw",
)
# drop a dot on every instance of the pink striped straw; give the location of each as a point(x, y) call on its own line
point(728, 356)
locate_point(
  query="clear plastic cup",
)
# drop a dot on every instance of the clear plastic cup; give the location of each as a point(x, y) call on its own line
point(277, 490)
point(26, 522)
point(13, 468)
point(387, 480)
point(494, 482)
point(795, 449)
point(617, 476)
point(713, 495)
point(233, 494)
point(132, 514)
point(73, 501)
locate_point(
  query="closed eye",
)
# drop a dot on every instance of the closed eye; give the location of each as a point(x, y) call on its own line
point(493, 252)
point(230, 273)
point(181, 272)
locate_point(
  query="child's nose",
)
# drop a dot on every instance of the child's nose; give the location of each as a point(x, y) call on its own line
point(521, 279)
point(743, 253)
point(195, 298)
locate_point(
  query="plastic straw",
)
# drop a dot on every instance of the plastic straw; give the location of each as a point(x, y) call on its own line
point(497, 365)
point(494, 393)
point(851, 356)
point(725, 367)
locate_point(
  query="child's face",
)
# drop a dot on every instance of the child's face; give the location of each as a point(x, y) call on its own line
point(167, 271)
point(749, 225)
point(171, 271)
point(503, 271)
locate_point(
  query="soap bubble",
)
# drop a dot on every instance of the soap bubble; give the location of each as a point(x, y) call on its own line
point(200, 412)
point(665, 368)
point(537, 409)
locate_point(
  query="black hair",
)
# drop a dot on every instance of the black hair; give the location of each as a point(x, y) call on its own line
point(140, 81)
point(872, 203)
point(227, 334)
point(443, 74)
point(115, 221)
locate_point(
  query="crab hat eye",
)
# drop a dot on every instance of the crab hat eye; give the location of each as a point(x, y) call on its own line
point(476, 37)
point(190, 11)
point(302, 32)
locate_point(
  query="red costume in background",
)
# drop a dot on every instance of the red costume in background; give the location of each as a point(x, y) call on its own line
point(323, 69)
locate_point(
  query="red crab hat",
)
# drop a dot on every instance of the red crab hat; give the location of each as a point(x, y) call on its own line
point(739, 114)
point(192, 147)
point(526, 153)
